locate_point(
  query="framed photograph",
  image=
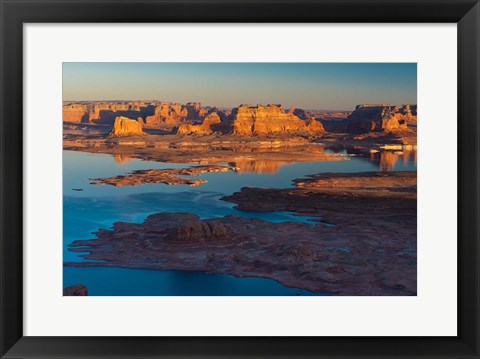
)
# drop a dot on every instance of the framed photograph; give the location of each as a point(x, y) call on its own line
point(240, 179)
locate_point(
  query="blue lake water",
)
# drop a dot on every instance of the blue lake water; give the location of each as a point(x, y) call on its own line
point(86, 208)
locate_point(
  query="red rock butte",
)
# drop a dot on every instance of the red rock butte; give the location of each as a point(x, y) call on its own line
point(124, 126)
point(262, 120)
point(384, 117)
point(191, 118)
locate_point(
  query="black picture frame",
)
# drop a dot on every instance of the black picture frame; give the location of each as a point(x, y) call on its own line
point(15, 13)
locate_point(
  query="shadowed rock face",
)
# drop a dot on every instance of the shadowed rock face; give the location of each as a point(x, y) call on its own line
point(167, 115)
point(195, 111)
point(162, 115)
point(124, 126)
point(204, 128)
point(300, 113)
point(381, 118)
point(75, 290)
point(270, 119)
point(408, 109)
point(409, 113)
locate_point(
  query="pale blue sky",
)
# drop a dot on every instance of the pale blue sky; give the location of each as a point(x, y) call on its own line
point(333, 86)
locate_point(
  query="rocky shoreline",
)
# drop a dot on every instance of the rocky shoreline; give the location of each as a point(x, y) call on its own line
point(364, 238)
point(203, 149)
point(369, 248)
point(168, 176)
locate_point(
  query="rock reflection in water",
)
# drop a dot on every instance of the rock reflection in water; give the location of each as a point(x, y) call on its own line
point(121, 159)
point(258, 166)
point(387, 160)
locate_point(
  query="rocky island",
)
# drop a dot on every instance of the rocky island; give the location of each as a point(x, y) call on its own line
point(364, 242)
point(169, 176)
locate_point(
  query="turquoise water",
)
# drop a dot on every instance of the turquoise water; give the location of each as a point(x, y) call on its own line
point(89, 207)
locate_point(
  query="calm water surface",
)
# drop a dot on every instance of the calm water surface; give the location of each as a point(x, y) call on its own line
point(87, 208)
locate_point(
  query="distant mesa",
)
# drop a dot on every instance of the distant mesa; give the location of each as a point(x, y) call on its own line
point(381, 118)
point(193, 118)
point(300, 113)
point(75, 113)
point(124, 126)
point(164, 115)
point(244, 120)
point(105, 112)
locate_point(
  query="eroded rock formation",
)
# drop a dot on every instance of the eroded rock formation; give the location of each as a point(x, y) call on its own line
point(380, 118)
point(124, 126)
point(195, 111)
point(270, 119)
point(105, 112)
point(170, 176)
point(403, 182)
point(204, 128)
point(75, 113)
point(168, 115)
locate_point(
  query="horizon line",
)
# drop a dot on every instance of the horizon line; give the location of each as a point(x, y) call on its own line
point(231, 107)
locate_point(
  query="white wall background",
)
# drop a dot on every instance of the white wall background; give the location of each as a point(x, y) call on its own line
point(432, 312)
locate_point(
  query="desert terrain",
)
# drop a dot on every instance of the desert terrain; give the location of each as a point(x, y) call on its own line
point(361, 236)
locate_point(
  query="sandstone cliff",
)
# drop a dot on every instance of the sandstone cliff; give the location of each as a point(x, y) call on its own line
point(168, 115)
point(270, 119)
point(105, 112)
point(380, 118)
point(75, 113)
point(124, 126)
